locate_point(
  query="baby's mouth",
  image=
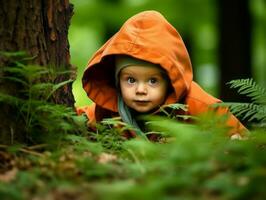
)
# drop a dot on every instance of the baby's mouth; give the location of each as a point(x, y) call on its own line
point(141, 101)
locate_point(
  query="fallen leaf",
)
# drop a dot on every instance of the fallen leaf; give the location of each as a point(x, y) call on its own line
point(8, 175)
point(105, 158)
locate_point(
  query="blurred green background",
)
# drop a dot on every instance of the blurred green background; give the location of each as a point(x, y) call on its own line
point(198, 22)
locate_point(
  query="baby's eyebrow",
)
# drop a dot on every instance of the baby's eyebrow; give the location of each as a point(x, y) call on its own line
point(127, 74)
point(156, 74)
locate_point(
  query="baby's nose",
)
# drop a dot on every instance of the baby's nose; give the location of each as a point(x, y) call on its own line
point(141, 88)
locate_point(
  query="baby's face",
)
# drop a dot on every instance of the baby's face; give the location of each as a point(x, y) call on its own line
point(143, 88)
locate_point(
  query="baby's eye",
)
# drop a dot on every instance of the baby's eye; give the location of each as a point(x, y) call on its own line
point(131, 80)
point(153, 81)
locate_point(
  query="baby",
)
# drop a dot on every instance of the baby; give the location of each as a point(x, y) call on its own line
point(144, 66)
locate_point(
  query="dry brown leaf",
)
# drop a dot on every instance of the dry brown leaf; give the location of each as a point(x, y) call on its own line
point(105, 158)
point(8, 175)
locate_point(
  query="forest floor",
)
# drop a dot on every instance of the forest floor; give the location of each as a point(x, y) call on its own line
point(107, 166)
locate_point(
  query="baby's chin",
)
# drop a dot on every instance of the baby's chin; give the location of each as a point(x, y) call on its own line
point(145, 111)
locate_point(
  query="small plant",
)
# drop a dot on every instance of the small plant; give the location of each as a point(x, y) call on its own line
point(40, 119)
point(109, 133)
point(254, 111)
point(171, 111)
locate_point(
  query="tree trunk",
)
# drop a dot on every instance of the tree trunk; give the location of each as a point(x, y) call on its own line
point(39, 28)
point(235, 45)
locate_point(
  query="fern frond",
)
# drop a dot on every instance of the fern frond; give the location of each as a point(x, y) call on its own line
point(57, 86)
point(251, 89)
point(28, 73)
point(41, 90)
point(173, 108)
point(9, 99)
point(15, 79)
point(176, 106)
point(247, 111)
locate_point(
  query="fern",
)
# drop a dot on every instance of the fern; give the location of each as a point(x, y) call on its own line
point(42, 120)
point(248, 111)
point(249, 88)
point(171, 111)
point(254, 111)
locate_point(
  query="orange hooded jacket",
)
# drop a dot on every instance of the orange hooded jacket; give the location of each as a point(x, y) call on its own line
point(147, 36)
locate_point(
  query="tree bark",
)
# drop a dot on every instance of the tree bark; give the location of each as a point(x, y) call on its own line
point(235, 45)
point(40, 28)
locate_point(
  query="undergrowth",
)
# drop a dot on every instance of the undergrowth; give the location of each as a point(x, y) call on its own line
point(255, 111)
point(194, 161)
point(40, 120)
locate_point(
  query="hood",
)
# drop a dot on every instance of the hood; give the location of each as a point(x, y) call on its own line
point(147, 36)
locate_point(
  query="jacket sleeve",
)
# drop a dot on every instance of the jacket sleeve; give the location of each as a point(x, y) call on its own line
point(200, 102)
point(236, 127)
point(89, 112)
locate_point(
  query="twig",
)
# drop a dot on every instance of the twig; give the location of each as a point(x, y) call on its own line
point(38, 146)
point(31, 152)
point(2, 146)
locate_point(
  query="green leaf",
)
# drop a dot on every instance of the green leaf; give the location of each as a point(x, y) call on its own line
point(57, 86)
